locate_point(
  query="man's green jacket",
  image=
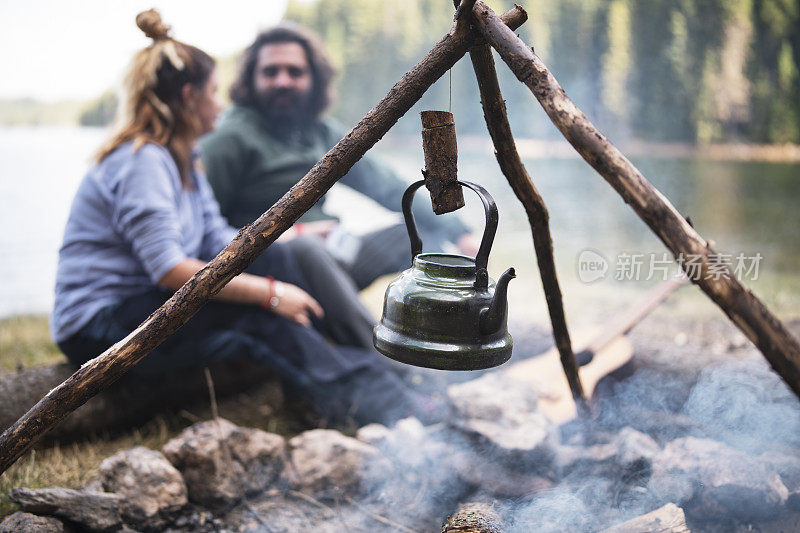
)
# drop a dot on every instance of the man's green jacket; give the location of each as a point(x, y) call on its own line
point(250, 169)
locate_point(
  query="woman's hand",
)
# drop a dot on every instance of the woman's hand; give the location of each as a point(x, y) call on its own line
point(295, 304)
point(290, 300)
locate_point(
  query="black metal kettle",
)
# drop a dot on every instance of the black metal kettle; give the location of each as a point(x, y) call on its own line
point(445, 312)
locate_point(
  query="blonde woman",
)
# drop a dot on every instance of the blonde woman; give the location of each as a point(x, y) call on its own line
point(144, 220)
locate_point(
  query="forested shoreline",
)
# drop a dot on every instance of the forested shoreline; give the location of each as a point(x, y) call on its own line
point(691, 71)
point(661, 70)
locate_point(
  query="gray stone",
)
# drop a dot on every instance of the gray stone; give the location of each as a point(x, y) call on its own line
point(94, 484)
point(501, 412)
point(326, 463)
point(421, 459)
point(793, 501)
point(626, 453)
point(290, 512)
point(787, 466)
point(667, 519)
point(221, 462)
point(281, 512)
point(373, 434)
point(153, 489)
point(95, 511)
point(496, 479)
point(713, 480)
point(30, 523)
point(634, 448)
point(408, 444)
point(404, 431)
point(579, 461)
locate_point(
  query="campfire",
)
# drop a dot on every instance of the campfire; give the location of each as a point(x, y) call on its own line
point(696, 433)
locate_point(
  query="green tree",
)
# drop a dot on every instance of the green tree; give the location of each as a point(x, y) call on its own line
point(100, 112)
point(774, 67)
point(670, 70)
point(617, 62)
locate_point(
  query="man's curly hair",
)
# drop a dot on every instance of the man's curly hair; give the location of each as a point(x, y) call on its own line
point(242, 91)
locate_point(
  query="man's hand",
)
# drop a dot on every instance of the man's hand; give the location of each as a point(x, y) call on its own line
point(468, 244)
point(320, 228)
point(296, 304)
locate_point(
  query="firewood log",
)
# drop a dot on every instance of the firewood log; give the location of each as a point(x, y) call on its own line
point(474, 518)
point(130, 402)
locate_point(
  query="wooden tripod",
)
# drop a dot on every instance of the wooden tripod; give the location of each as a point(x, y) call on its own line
point(476, 26)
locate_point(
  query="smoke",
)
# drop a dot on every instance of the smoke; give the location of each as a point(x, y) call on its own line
point(711, 430)
point(744, 404)
point(717, 434)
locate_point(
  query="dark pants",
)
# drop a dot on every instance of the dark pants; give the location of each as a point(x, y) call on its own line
point(341, 381)
point(387, 251)
point(347, 321)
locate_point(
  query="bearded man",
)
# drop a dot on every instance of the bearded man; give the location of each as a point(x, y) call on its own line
point(276, 131)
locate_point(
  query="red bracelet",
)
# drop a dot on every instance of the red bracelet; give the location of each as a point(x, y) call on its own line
point(267, 303)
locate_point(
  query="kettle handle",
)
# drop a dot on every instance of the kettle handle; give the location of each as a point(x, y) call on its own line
point(489, 206)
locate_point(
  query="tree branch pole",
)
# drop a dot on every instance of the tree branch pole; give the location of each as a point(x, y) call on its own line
point(494, 111)
point(100, 372)
point(749, 314)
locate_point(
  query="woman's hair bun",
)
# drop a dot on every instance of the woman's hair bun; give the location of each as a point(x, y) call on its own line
point(151, 24)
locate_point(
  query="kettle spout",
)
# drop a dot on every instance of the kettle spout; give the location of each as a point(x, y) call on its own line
point(492, 317)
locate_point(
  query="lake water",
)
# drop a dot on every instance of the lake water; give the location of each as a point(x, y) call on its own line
point(748, 208)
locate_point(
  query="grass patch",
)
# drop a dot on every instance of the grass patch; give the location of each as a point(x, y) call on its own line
point(25, 341)
point(72, 466)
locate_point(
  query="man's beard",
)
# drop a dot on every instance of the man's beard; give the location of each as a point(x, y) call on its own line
point(285, 110)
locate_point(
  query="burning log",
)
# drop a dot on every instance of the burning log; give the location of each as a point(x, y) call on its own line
point(441, 161)
point(99, 373)
point(474, 518)
point(749, 314)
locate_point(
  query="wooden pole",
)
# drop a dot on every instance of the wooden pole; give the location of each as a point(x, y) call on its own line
point(98, 373)
point(505, 150)
point(749, 314)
